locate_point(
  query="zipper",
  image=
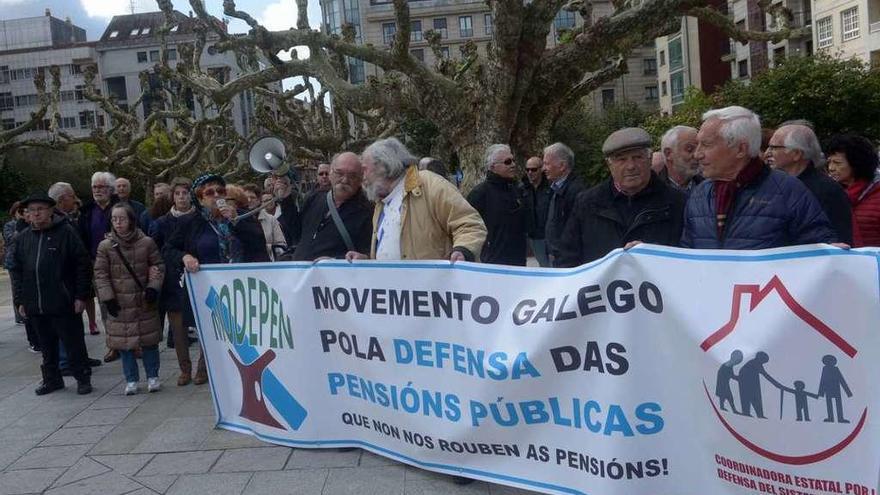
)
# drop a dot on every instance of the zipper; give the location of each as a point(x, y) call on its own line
point(635, 222)
point(37, 270)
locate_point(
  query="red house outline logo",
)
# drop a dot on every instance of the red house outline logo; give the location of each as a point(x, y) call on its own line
point(758, 295)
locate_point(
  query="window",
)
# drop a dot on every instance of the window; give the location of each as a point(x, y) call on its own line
point(154, 55)
point(23, 74)
point(465, 26)
point(662, 58)
point(664, 88)
point(68, 122)
point(440, 27)
point(607, 97)
point(4, 74)
point(356, 71)
point(650, 66)
point(388, 31)
point(75, 69)
point(564, 20)
point(78, 93)
point(741, 26)
point(743, 69)
point(675, 59)
point(825, 32)
point(116, 88)
point(145, 31)
point(114, 34)
point(849, 21)
point(778, 55)
point(172, 54)
point(487, 22)
point(8, 124)
point(651, 93)
point(174, 29)
point(677, 86)
point(444, 51)
point(7, 102)
point(142, 57)
point(415, 31)
point(134, 32)
point(25, 100)
point(67, 96)
point(87, 120)
point(212, 50)
point(419, 54)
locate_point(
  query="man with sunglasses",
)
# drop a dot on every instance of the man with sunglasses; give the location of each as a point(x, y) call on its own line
point(323, 174)
point(502, 208)
point(536, 191)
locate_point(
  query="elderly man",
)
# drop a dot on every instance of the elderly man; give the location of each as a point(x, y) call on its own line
point(500, 204)
point(682, 169)
point(536, 190)
point(657, 162)
point(339, 220)
point(743, 204)
point(558, 161)
point(323, 175)
point(418, 214)
point(54, 273)
point(795, 150)
point(123, 190)
point(633, 205)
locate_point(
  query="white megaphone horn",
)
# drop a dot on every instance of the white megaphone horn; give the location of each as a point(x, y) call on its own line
point(267, 156)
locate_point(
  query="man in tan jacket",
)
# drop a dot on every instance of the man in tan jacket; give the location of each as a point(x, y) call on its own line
point(418, 214)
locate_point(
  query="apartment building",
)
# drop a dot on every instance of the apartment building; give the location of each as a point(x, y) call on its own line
point(459, 21)
point(751, 58)
point(848, 29)
point(32, 44)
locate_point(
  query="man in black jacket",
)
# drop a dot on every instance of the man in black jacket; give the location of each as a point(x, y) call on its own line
point(500, 203)
point(54, 270)
point(558, 162)
point(320, 236)
point(795, 150)
point(536, 191)
point(632, 205)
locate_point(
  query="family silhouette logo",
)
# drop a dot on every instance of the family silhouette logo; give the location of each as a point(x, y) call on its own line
point(806, 348)
point(260, 387)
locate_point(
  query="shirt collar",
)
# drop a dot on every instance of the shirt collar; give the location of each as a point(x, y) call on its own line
point(398, 189)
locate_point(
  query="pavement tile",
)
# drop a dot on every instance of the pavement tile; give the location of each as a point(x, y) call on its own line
point(508, 490)
point(430, 487)
point(299, 482)
point(98, 417)
point(109, 483)
point(116, 400)
point(84, 468)
point(43, 457)
point(143, 491)
point(214, 483)
point(159, 483)
point(123, 439)
point(225, 439)
point(181, 463)
point(365, 481)
point(369, 459)
point(77, 436)
point(253, 459)
point(177, 434)
point(28, 480)
point(11, 450)
point(322, 458)
point(127, 464)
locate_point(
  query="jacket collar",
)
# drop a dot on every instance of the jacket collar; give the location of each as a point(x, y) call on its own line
point(412, 183)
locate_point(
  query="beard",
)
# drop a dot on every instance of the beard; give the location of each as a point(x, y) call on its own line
point(372, 191)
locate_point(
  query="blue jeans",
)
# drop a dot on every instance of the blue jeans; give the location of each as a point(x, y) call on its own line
point(62, 356)
point(130, 366)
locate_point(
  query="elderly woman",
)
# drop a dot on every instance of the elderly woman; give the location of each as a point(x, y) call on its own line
point(173, 298)
point(128, 276)
point(852, 161)
point(212, 235)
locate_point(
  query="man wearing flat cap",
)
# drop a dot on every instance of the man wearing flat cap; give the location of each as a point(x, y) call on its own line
point(54, 274)
point(634, 204)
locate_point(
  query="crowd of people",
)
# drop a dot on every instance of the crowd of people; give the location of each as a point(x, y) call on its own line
point(716, 187)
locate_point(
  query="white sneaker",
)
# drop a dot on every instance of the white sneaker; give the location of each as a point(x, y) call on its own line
point(131, 388)
point(153, 384)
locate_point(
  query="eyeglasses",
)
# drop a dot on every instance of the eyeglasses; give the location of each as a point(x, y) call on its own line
point(36, 209)
point(214, 191)
point(352, 176)
point(99, 187)
point(507, 162)
point(530, 169)
point(322, 174)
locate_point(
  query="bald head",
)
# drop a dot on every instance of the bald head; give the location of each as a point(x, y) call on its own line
point(346, 175)
point(657, 162)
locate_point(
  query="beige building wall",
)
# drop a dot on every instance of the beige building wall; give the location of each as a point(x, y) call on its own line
point(848, 29)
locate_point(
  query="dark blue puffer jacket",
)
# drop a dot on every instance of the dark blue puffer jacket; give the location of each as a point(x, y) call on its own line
point(776, 210)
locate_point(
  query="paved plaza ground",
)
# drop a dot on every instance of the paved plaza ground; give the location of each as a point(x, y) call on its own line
point(108, 444)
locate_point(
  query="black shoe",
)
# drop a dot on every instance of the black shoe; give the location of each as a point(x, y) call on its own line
point(49, 387)
point(83, 387)
point(93, 363)
point(461, 480)
point(66, 372)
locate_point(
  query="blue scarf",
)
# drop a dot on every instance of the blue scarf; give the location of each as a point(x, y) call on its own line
point(230, 246)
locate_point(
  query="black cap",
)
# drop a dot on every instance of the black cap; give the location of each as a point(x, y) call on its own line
point(38, 197)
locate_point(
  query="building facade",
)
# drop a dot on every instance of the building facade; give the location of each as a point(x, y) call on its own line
point(33, 44)
point(751, 58)
point(460, 21)
point(848, 29)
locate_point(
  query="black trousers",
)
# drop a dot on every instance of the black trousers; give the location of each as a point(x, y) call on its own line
point(31, 332)
point(55, 328)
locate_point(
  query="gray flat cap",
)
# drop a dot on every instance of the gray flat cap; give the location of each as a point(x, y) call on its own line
point(626, 139)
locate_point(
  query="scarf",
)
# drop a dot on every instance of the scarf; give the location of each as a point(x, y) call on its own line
point(177, 213)
point(726, 191)
point(230, 247)
point(127, 238)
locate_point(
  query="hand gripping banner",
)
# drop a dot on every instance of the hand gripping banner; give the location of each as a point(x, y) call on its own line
point(655, 370)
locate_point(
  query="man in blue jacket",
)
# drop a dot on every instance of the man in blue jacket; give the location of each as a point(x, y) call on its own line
point(743, 204)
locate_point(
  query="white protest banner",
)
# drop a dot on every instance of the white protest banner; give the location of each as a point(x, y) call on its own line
point(655, 370)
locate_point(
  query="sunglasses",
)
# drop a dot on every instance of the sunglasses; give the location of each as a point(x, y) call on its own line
point(529, 169)
point(214, 191)
point(507, 162)
point(323, 173)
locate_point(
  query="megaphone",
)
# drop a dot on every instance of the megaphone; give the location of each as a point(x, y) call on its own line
point(267, 156)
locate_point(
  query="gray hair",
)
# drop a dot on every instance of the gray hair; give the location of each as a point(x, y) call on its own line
point(492, 151)
point(390, 157)
point(670, 138)
point(802, 138)
point(738, 124)
point(58, 189)
point(107, 177)
point(561, 151)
